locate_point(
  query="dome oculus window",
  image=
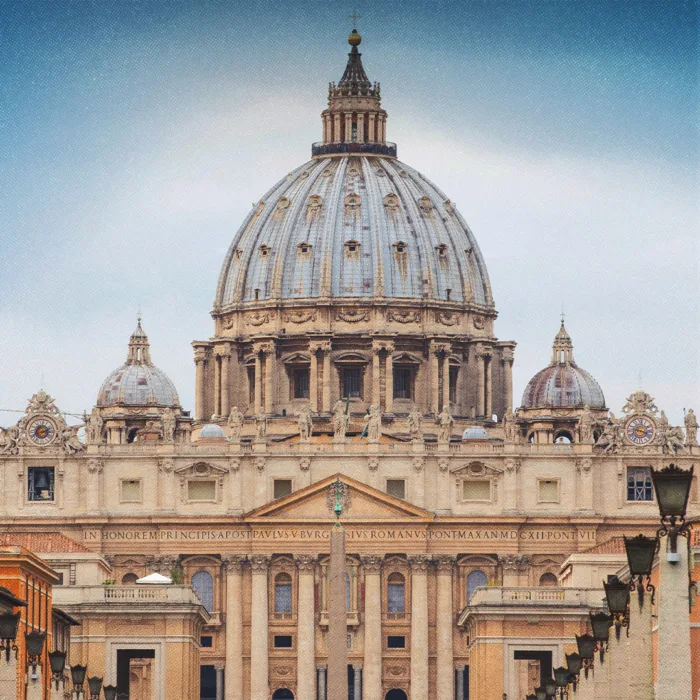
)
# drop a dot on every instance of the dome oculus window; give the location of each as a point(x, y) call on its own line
point(441, 250)
point(352, 249)
point(264, 251)
point(400, 247)
point(352, 202)
point(304, 249)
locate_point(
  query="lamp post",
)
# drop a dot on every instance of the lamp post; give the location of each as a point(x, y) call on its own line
point(34, 642)
point(617, 594)
point(95, 687)
point(672, 487)
point(586, 650)
point(641, 551)
point(600, 626)
point(77, 673)
point(573, 663)
point(57, 661)
point(8, 633)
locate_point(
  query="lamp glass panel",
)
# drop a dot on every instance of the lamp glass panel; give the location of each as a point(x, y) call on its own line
point(573, 663)
point(640, 554)
point(57, 659)
point(586, 646)
point(8, 625)
point(618, 595)
point(561, 676)
point(35, 643)
point(77, 673)
point(672, 487)
point(601, 623)
point(110, 692)
point(540, 693)
point(95, 685)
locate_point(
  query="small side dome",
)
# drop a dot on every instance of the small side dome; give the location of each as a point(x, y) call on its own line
point(212, 430)
point(475, 432)
point(563, 384)
point(138, 382)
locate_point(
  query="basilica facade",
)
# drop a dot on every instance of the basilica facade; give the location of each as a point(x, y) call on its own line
point(354, 340)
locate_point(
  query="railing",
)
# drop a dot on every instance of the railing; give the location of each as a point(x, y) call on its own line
point(353, 618)
point(324, 149)
point(539, 596)
point(115, 594)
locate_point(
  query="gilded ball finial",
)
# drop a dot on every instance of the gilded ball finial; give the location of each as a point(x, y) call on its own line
point(354, 39)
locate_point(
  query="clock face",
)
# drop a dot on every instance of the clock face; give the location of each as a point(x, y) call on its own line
point(640, 430)
point(41, 431)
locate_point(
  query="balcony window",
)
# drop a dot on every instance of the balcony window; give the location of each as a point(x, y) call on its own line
point(282, 488)
point(403, 383)
point(201, 491)
point(477, 490)
point(396, 593)
point(300, 383)
point(351, 379)
point(395, 642)
point(475, 579)
point(639, 486)
point(40, 484)
point(203, 584)
point(283, 641)
point(396, 488)
point(549, 579)
point(129, 579)
point(283, 593)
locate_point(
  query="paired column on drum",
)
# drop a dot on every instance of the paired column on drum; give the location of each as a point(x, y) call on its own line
point(440, 375)
point(264, 376)
point(233, 564)
point(259, 664)
point(444, 639)
point(483, 381)
point(372, 668)
point(200, 358)
point(419, 624)
point(320, 403)
point(507, 357)
point(383, 350)
point(222, 357)
point(306, 644)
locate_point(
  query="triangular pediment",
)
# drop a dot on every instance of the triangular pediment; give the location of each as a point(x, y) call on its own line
point(365, 504)
point(476, 468)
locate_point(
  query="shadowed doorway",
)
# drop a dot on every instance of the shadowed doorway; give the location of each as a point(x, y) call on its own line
point(283, 694)
point(396, 694)
point(124, 668)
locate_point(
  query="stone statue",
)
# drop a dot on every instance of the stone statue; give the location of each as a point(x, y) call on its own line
point(612, 436)
point(9, 441)
point(168, 425)
point(260, 426)
point(305, 423)
point(663, 421)
point(510, 427)
point(691, 428)
point(341, 419)
point(71, 441)
point(415, 424)
point(94, 424)
point(671, 440)
point(585, 425)
point(445, 423)
point(235, 424)
point(374, 424)
point(640, 403)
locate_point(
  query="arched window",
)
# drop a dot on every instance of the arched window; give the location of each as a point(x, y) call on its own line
point(396, 593)
point(283, 593)
point(129, 579)
point(475, 579)
point(549, 579)
point(563, 437)
point(203, 584)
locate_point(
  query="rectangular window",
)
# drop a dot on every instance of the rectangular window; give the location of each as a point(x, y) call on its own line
point(283, 641)
point(206, 642)
point(40, 484)
point(60, 578)
point(250, 370)
point(548, 491)
point(396, 488)
point(282, 488)
point(130, 491)
point(454, 373)
point(300, 382)
point(639, 484)
point(477, 490)
point(395, 642)
point(201, 490)
point(403, 377)
point(352, 382)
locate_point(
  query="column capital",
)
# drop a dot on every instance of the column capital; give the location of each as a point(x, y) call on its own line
point(233, 563)
point(419, 563)
point(321, 667)
point(259, 563)
point(483, 352)
point(379, 345)
point(266, 347)
point(357, 667)
point(200, 356)
point(438, 348)
point(514, 562)
point(222, 350)
point(316, 346)
point(306, 563)
point(507, 356)
point(372, 563)
point(445, 563)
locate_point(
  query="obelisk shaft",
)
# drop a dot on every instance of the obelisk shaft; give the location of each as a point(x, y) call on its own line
point(337, 620)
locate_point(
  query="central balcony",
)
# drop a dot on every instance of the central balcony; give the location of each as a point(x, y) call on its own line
point(377, 149)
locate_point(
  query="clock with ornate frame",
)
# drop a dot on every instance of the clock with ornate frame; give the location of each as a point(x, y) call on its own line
point(640, 430)
point(41, 431)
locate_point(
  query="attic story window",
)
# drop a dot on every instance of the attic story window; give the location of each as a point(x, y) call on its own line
point(442, 250)
point(264, 251)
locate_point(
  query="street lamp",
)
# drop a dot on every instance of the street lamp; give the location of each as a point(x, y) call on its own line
point(586, 650)
point(600, 625)
point(541, 693)
point(110, 692)
point(34, 642)
point(573, 663)
point(672, 487)
point(8, 633)
point(561, 677)
point(641, 551)
point(617, 594)
point(77, 673)
point(95, 687)
point(550, 687)
point(57, 661)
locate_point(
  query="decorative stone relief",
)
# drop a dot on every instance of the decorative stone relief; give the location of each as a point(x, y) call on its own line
point(403, 316)
point(373, 464)
point(419, 562)
point(95, 466)
point(257, 318)
point(305, 562)
point(165, 465)
point(259, 563)
point(351, 315)
point(304, 464)
point(260, 464)
point(418, 464)
point(447, 318)
point(371, 563)
point(299, 316)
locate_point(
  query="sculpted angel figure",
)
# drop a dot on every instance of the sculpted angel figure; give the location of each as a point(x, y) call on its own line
point(611, 438)
point(94, 424)
point(260, 426)
point(672, 441)
point(235, 424)
point(374, 424)
point(168, 425)
point(585, 425)
point(305, 422)
point(691, 428)
point(510, 427)
point(445, 423)
point(71, 441)
point(9, 441)
point(341, 419)
point(415, 424)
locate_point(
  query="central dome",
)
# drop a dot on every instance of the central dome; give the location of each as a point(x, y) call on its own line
point(354, 226)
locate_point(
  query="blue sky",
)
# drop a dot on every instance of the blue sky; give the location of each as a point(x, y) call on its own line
point(135, 135)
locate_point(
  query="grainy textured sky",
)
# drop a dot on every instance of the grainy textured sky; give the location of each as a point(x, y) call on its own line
point(135, 135)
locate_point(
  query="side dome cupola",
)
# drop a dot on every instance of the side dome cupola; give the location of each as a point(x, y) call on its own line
point(563, 384)
point(138, 382)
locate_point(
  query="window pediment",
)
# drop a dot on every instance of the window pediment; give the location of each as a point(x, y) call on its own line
point(477, 470)
point(203, 470)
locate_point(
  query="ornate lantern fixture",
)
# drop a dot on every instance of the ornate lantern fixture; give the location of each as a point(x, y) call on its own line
point(672, 487)
point(95, 687)
point(573, 663)
point(57, 661)
point(77, 673)
point(586, 650)
point(562, 678)
point(617, 594)
point(641, 551)
point(550, 687)
point(541, 693)
point(600, 625)
point(34, 642)
point(8, 633)
point(110, 692)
